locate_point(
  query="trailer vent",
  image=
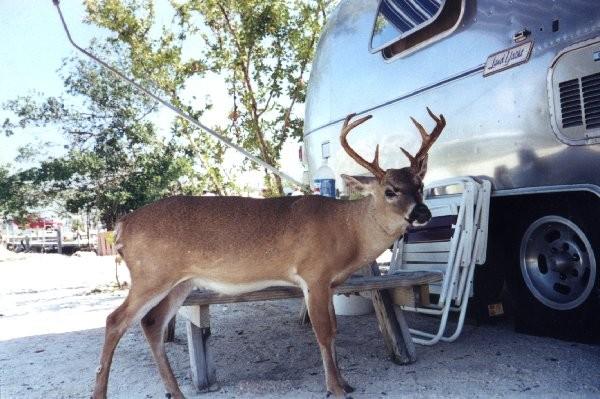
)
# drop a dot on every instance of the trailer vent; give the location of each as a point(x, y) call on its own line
point(591, 100)
point(570, 103)
point(574, 94)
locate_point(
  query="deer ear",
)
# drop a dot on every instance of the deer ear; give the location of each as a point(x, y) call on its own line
point(421, 167)
point(362, 184)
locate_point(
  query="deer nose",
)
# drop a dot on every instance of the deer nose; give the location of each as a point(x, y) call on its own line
point(420, 213)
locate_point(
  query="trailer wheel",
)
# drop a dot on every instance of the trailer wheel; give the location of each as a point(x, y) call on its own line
point(554, 280)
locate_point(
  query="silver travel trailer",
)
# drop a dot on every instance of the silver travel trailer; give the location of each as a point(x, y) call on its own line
point(519, 84)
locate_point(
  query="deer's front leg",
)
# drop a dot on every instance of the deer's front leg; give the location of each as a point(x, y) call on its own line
point(347, 387)
point(318, 302)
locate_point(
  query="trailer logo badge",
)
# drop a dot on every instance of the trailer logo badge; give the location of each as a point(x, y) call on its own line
point(507, 58)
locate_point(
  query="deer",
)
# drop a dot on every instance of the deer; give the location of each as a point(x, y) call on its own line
point(236, 244)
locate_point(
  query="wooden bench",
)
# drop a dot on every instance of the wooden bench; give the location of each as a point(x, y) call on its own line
point(396, 335)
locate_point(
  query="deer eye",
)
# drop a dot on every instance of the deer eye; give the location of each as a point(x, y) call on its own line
point(390, 194)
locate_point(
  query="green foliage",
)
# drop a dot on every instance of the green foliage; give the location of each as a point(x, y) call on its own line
point(116, 159)
point(110, 237)
point(262, 48)
point(18, 194)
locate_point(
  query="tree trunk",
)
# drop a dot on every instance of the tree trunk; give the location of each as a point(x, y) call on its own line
point(273, 184)
point(278, 185)
point(109, 221)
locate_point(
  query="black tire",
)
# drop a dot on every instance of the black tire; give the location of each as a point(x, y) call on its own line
point(553, 276)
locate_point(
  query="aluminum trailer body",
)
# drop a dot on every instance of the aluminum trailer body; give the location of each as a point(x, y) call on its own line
point(519, 84)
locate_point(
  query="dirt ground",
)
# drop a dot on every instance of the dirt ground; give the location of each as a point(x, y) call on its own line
point(52, 311)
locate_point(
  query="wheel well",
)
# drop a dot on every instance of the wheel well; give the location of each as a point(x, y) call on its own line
point(510, 215)
point(508, 212)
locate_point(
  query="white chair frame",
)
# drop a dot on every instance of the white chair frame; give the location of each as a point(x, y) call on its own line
point(455, 259)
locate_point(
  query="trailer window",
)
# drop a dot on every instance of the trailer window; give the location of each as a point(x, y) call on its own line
point(403, 26)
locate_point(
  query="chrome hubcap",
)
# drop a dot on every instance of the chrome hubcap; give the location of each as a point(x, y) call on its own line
point(557, 262)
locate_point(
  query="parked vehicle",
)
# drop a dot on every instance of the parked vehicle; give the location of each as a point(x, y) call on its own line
point(519, 84)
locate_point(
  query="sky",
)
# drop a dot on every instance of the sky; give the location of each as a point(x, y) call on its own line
point(32, 47)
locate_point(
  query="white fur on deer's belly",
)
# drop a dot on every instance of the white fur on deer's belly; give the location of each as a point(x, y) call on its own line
point(239, 288)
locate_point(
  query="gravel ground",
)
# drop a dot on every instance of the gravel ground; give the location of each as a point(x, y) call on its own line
point(52, 314)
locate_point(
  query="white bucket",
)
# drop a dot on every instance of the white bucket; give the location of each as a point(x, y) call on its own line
point(352, 305)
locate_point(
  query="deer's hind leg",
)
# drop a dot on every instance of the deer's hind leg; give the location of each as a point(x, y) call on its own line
point(142, 296)
point(155, 323)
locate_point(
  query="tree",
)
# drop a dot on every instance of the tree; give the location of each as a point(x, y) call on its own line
point(116, 161)
point(262, 48)
point(18, 195)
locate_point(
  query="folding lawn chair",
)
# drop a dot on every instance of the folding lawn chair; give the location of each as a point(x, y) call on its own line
point(453, 242)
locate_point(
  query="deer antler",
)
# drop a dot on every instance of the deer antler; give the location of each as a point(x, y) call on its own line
point(372, 167)
point(427, 140)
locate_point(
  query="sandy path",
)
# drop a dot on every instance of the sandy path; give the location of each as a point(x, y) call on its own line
point(51, 335)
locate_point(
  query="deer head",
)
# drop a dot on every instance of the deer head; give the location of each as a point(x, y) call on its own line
point(397, 192)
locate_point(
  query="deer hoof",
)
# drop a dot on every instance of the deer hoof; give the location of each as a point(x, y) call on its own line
point(337, 396)
point(176, 395)
point(348, 388)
